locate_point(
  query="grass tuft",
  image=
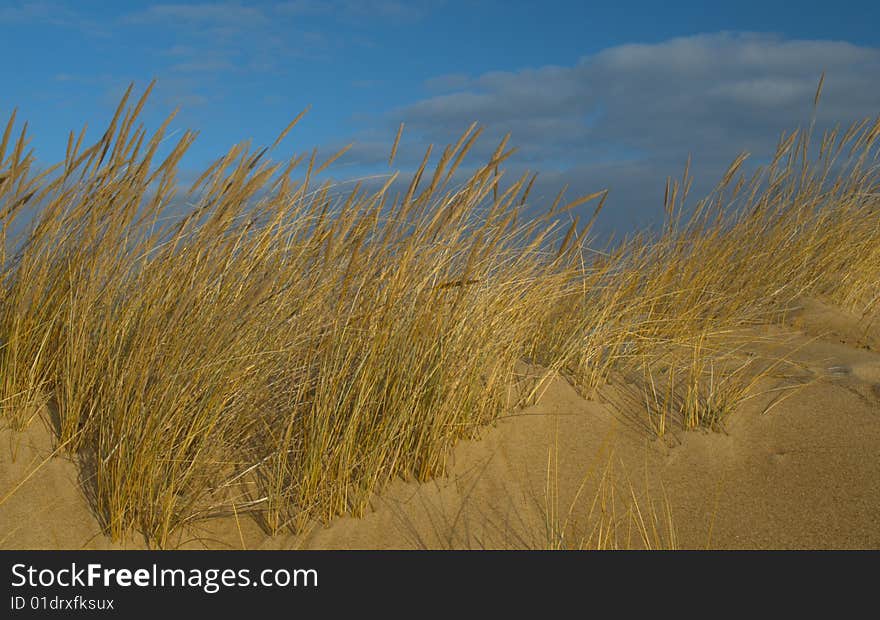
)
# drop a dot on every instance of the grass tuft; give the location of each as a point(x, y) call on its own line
point(285, 348)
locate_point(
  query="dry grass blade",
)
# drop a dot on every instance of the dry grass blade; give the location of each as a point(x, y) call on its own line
point(286, 350)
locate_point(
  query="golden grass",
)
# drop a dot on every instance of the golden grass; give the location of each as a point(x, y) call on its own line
point(284, 350)
point(280, 349)
point(744, 256)
point(618, 517)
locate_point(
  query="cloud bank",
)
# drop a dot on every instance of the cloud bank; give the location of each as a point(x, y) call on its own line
point(628, 116)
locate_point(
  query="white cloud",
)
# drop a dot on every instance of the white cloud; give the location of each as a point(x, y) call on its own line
point(393, 10)
point(628, 116)
point(213, 14)
point(202, 66)
point(303, 7)
point(50, 13)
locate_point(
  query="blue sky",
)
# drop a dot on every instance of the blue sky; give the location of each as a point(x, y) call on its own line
point(604, 94)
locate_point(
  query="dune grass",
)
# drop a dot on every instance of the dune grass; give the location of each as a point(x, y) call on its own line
point(281, 349)
point(805, 225)
point(284, 349)
point(616, 517)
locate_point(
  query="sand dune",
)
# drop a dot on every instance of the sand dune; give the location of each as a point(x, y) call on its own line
point(580, 473)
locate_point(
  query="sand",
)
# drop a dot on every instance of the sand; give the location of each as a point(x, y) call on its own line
point(803, 474)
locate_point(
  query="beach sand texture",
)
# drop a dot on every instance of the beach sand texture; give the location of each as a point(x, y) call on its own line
point(569, 472)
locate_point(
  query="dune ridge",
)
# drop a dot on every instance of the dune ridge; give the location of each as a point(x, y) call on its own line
point(286, 354)
point(801, 476)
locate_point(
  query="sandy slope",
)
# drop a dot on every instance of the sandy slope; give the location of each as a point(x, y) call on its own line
point(803, 475)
